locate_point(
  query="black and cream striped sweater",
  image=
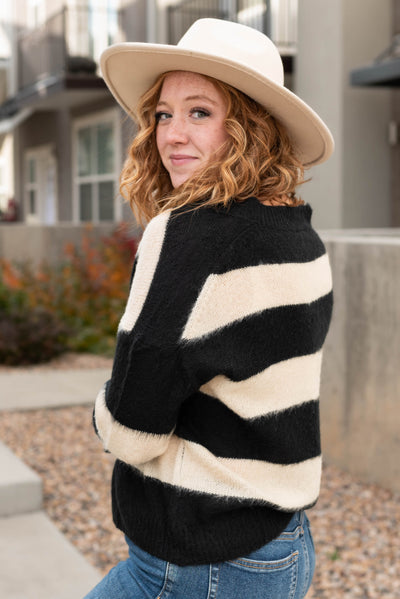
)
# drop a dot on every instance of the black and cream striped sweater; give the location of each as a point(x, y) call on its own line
point(212, 406)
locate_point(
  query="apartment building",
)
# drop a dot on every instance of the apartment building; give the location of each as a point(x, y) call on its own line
point(65, 135)
point(63, 138)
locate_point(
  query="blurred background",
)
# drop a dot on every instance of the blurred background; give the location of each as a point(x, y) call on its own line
point(63, 141)
point(62, 138)
point(67, 241)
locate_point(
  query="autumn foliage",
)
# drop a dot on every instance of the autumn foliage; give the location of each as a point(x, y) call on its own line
point(79, 302)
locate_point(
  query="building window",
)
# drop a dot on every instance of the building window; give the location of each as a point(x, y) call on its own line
point(93, 25)
point(36, 13)
point(97, 165)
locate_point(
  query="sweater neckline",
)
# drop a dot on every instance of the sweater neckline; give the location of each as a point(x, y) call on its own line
point(280, 217)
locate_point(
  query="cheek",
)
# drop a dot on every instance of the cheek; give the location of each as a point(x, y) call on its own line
point(224, 135)
point(159, 140)
point(217, 138)
point(220, 131)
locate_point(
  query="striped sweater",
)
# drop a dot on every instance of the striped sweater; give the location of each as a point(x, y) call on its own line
point(212, 406)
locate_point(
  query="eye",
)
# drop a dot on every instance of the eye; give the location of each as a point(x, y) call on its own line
point(162, 116)
point(199, 113)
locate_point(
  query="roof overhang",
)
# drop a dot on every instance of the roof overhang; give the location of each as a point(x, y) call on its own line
point(51, 93)
point(8, 125)
point(62, 91)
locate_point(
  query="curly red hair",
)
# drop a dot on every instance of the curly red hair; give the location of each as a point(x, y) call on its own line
point(257, 160)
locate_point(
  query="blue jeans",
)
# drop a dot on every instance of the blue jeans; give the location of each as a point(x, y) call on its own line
point(282, 569)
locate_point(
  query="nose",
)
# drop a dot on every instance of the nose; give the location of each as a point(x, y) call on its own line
point(177, 132)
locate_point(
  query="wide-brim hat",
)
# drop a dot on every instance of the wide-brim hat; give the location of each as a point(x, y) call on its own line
point(233, 53)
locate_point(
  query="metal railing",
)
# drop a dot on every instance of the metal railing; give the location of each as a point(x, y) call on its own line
point(69, 40)
point(276, 18)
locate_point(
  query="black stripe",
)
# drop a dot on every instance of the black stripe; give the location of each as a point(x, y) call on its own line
point(134, 265)
point(284, 437)
point(192, 249)
point(145, 392)
point(251, 345)
point(277, 247)
point(187, 527)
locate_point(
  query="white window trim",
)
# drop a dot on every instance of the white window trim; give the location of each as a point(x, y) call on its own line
point(3, 184)
point(109, 115)
point(37, 218)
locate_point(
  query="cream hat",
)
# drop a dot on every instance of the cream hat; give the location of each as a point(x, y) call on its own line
point(236, 54)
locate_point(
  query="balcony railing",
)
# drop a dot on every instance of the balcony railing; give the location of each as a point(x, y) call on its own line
point(69, 41)
point(276, 18)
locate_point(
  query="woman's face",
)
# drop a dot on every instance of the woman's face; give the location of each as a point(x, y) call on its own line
point(190, 124)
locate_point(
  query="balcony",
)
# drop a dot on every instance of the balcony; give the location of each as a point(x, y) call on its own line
point(276, 18)
point(384, 71)
point(62, 54)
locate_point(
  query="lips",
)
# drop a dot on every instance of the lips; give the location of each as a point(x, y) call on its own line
point(178, 159)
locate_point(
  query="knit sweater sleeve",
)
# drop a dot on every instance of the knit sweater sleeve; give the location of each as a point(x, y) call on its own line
point(136, 412)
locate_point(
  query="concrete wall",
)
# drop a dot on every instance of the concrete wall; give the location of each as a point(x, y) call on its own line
point(360, 391)
point(19, 242)
point(353, 188)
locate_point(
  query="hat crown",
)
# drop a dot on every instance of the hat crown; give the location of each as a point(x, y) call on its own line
point(237, 43)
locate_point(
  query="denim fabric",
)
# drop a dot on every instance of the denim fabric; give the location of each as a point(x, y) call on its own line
point(282, 569)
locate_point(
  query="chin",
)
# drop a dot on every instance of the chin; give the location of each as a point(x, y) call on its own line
point(178, 181)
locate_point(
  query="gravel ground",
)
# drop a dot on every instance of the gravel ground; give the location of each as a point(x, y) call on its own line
point(67, 361)
point(354, 524)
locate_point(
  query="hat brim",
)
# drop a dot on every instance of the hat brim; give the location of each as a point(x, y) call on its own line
point(130, 69)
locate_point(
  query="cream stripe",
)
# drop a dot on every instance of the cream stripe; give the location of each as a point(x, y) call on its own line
point(244, 291)
point(148, 257)
point(131, 446)
point(279, 387)
point(193, 467)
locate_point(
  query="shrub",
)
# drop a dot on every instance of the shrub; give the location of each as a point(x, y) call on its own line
point(83, 298)
point(30, 337)
point(27, 335)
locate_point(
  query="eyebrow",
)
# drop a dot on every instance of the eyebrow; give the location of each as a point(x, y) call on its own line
point(191, 98)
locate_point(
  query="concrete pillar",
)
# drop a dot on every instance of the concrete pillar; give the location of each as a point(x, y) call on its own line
point(335, 36)
point(360, 385)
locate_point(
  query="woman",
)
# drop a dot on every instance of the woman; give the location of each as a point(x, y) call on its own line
point(212, 407)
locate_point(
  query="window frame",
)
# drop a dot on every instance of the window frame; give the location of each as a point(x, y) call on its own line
point(35, 13)
point(105, 116)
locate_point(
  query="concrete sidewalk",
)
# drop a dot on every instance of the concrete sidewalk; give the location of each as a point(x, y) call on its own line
point(33, 389)
point(36, 560)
